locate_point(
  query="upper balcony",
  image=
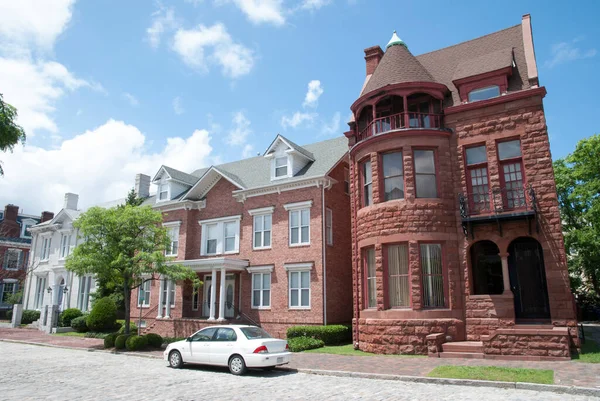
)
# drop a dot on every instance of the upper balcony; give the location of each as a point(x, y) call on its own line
point(401, 121)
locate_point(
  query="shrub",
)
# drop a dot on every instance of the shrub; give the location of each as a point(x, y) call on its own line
point(79, 324)
point(169, 340)
point(67, 315)
point(136, 343)
point(298, 344)
point(132, 327)
point(330, 335)
point(103, 315)
point(109, 340)
point(29, 316)
point(121, 340)
point(154, 340)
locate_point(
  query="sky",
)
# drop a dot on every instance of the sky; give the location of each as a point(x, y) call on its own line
point(108, 89)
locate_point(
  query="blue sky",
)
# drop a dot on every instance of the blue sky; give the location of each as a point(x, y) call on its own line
point(102, 86)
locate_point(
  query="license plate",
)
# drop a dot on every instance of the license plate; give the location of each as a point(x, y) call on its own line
point(280, 359)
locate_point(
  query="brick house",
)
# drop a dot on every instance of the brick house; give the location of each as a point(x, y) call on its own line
point(269, 236)
point(15, 246)
point(456, 233)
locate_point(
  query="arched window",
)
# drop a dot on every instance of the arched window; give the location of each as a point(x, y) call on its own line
point(487, 269)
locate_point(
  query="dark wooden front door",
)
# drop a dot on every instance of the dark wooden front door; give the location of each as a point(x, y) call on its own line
point(528, 279)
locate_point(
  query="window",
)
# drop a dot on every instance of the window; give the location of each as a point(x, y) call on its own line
point(432, 275)
point(254, 333)
point(486, 266)
point(165, 292)
point(65, 245)
point(300, 227)
point(12, 259)
point(425, 181)
point(40, 288)
point(173, 233)
point(46, 243)
point(477, 176)
point(347, 181)
point(281, 167)
point(25, 229)
point(484, 93)
point(371, 281)
point(220, 235)
point(205, 334)
point(83, 299)
point(511, 163)
point(144, 293)
point(398, 276)
point(329, 226)
point(225, 334)
point(7, 290)
point(367, 198)
point(262, 231)
point(195, 298)
point(299, 289)
point(163, 191)
point(261, 290)
point(393, 176)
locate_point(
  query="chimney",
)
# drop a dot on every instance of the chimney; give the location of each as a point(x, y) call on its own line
point(372, 56)
point(142, 185)
point(11, 212)
point(71, 201)
point(47, 216)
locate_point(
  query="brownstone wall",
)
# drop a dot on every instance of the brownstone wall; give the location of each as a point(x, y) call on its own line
point(530, 344)
point(486, 313)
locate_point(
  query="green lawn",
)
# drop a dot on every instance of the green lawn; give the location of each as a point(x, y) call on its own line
point(347, 350)
point(494, 373)
point(70, 334)
point(590, 352)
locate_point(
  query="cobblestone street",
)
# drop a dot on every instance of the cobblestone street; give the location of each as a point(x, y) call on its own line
point(31, 372)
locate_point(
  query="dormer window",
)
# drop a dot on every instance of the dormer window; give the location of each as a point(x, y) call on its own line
point(484, 93)
point(281, 167)
point(163, 191)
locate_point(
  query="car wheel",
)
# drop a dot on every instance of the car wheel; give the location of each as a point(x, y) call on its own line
point(175, 360)
point(237, 366)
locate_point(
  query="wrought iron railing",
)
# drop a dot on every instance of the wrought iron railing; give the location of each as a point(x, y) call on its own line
point(497, 200)
point(402, 120)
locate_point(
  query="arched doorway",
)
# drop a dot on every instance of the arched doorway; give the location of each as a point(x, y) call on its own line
point(528, 279)
point(486, 268)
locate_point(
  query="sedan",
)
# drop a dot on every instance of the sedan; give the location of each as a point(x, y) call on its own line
point(236, 346)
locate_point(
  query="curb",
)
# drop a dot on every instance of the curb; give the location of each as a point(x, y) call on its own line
point(571, 390)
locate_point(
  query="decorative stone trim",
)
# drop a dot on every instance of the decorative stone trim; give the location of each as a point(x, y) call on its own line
point(261, 210)
point(298, 266)
point(260, 269)
point(298, 205)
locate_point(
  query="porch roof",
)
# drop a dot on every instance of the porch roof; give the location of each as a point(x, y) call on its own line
point(206, 265)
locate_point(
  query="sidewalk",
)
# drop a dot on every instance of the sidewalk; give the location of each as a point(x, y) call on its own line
point(569, 373)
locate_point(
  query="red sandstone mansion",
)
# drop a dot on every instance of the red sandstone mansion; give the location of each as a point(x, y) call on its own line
point(457, 245)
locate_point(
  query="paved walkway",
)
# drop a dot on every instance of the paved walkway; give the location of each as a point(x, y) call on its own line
point(569, 373)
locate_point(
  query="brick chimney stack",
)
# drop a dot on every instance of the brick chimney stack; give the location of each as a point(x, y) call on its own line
point(142, 185)
point(373, 56)
point(47, 216)
point(11, 212)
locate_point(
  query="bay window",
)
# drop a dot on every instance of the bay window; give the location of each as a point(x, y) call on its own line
point(367, 183)
point(398, 275)
point(425, 178)
point(370, 278)
point(393, 175)
point(432, 274)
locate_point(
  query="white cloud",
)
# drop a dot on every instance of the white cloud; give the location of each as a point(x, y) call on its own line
point(99, 165)
point(313, 94)
point(297, 119)
point(163, 20)
point(205, 45)
point(35, 87)
point(262, 11)
point(195, 3)
point(178, 106)
point(240, 131)
point(565, 52)
point(133, 101)
point(333, 127)
point(32, 23)
point(248, 151)
point(314, 4)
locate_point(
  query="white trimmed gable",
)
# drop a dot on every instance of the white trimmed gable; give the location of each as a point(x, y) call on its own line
point(286, 159)
point(206, 182)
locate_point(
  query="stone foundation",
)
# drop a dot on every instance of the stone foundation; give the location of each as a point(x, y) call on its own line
point(486, 313)
point(528, 344)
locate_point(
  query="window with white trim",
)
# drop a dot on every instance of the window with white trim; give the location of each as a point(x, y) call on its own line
point(165, 292)
point(329, 226)
point(144, 294)
point(261, 290)
point(163, 191)
point(25, 228)
point(83, 298)
point(262, 231)
point(220, 236)
point(7, 290)
point(300, 227)
point(173, 234)
point(211, 239)
point(12, 259)
point(40, 287)
point(230, 228)
point(281, 167)
point(299, 284)
point(46, 243)
point(65, 245)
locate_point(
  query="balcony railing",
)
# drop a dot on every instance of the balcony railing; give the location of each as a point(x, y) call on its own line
point(401, 121)
point(497, 200)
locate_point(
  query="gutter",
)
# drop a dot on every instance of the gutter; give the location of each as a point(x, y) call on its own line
point(324, 253)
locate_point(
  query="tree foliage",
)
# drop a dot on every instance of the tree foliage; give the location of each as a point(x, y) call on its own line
point(578, 188)
point(124, 246)
point(10, 132)
point(133, 199)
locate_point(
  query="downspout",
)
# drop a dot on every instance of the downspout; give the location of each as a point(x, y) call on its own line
point(357, 291)
point(324, 253)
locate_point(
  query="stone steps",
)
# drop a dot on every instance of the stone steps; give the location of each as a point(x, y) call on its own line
point(463, 346)
point(467, 355)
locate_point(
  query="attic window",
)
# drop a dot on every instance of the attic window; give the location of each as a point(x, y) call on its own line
point(163, 191)
point(281, 167)
point(484, 93)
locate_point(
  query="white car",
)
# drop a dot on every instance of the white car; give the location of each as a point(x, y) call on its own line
point(236, 346)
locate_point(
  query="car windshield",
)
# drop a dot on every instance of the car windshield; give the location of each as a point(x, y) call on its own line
point(253, 333)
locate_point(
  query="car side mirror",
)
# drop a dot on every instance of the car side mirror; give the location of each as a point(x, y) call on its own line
point(189, 339)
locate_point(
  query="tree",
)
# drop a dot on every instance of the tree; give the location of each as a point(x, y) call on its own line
point(133, 199)
point(124, 246)
point(10, 132)
point(578, 188)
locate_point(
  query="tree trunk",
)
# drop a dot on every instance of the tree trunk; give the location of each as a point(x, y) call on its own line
point(126, 300)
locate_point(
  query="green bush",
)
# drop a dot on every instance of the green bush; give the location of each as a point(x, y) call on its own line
point(169, 340)
point(136, 343)
point(109, 340)
point(79, 324)
point(298, 344)
point(103, 315)
point(67, 315)
point(154, 340)
point(121, 340)
point(330, 335)
point(30, 316)
point(121, 327)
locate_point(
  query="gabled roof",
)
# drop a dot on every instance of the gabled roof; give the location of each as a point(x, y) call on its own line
point(176, 175)
point(291, 145)
point(207, 180)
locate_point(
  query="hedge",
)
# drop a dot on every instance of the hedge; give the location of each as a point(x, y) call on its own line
point(30, 316)
point(67, 316)
point(79, 324)
point(103, 315)
point(330, 335)
point(132, 327)
point(136, 343)
point(109, 340)
point(121, 340)
point(154, 340)
point(298, 344)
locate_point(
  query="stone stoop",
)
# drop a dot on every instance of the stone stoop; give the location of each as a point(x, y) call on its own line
point(535, 342)
point(462, 349)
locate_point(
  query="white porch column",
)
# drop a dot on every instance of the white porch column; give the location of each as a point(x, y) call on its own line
point(222, 296)
point(169, 284)
point(160, 298)
point(213, 294)
point(505, 276)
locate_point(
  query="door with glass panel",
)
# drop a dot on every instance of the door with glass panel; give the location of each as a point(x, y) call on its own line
point(230, 296)
point(206, 294)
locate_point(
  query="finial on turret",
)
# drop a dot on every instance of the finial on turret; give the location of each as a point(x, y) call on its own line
point(395, 40)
